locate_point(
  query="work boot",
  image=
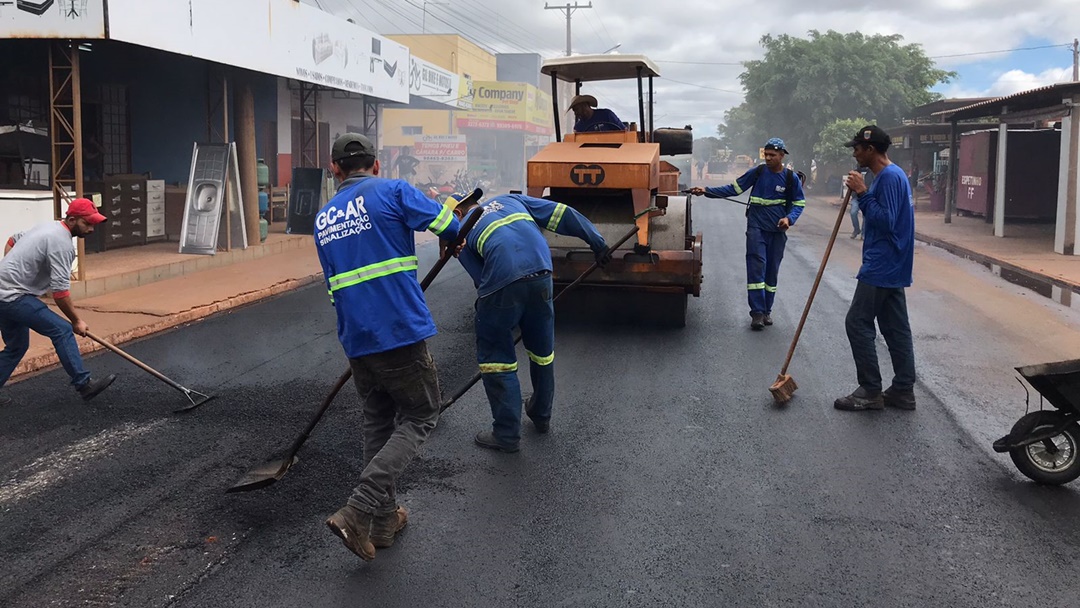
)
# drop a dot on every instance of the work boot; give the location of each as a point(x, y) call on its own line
point(486, 439)
point(541, 426)
point(93, 387)
point(767, 319)
point(386, 527)
point(900, 399)
point(757, 321)
point(353, 527)
point(860, 400)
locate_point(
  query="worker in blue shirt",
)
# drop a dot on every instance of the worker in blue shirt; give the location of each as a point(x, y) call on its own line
point(591, 118)
point(365, 242)
point(888, 258)
point(509, 260)
point(776, 202)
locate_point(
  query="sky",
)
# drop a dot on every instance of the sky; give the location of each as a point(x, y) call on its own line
point(699, 44)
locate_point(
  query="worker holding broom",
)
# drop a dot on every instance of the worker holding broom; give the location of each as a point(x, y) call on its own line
point(365, 242)
point(510, 262)
point(888, 256)
point(776, 202)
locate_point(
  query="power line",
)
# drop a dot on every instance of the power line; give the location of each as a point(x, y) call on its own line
point(1027, 48)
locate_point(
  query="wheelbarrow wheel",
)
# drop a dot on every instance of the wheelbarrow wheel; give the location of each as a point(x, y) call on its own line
point(1053, 461)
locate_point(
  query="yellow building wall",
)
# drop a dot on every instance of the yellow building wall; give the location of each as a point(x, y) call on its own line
point(451, 52)
point(431, 122)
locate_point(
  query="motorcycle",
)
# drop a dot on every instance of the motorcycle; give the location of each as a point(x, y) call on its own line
point(1045, 444)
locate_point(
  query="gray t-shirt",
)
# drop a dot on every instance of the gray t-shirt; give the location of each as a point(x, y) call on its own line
point(40, 262)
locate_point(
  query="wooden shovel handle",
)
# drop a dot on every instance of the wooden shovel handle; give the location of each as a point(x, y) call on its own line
point(817, 281)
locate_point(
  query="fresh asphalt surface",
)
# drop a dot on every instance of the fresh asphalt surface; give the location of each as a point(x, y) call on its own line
point(669, 477)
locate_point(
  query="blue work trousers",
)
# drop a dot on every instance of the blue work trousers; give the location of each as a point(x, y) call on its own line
point(21, 315)
point(764, 252)
point(524, 304)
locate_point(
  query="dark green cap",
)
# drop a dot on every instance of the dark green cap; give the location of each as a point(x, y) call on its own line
point(352, 144)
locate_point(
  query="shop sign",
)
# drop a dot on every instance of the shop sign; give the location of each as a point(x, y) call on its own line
point(429, 81)
point(508, 106)
point(52, 19)
point(441, 148)
point(279, 37)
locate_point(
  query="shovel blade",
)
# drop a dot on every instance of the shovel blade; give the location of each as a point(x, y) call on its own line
point(263, 475)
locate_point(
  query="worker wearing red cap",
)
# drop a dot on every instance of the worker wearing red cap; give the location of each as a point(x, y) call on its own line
point(37, 262)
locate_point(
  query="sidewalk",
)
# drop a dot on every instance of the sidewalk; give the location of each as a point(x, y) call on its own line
point(134, 292)
point(1025, 257)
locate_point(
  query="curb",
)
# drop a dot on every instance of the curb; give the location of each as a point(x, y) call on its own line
point(43, 362)
point(1059, 290)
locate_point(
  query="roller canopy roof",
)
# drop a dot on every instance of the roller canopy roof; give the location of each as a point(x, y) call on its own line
point(599, 67)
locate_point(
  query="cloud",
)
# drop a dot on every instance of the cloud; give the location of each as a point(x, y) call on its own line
point(715, 32)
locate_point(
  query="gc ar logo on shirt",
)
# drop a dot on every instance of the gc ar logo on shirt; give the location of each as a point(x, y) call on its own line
point(333, 223)
point(587, 175)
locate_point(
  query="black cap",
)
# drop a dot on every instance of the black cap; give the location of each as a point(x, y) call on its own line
point(351, 144)
point(870, 134)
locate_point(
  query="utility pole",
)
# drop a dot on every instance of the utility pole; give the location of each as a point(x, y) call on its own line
point(569, 11)
point(423, 27)
point(1076, 60)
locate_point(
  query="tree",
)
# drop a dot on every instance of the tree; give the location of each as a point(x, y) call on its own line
point(832, 156)
point(802, 85)
point(705, 147)
point(737, 133)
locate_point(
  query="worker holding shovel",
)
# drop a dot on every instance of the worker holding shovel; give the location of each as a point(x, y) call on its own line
point(510, 262)
point(365, 242)
point(888, 257)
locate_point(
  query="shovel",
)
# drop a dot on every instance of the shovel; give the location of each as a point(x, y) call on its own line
point(476, 377)
point(266, 474)
point(195, 397)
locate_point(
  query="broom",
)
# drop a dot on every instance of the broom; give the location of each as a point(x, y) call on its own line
point(784, 387)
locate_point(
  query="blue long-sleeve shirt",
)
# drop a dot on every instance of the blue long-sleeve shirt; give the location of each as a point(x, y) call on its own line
point(364, 238)
point(507, 243)
point(768, 197)
point(888, 230)
point(602, 119)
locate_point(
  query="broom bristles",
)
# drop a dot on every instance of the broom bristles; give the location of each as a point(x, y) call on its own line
point(783, 389)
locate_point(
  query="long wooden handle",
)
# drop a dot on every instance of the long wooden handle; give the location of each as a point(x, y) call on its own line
point(146, 368)
point(817, 281)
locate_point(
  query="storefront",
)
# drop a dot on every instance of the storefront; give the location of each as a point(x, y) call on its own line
point(144, 80)
point(509, 122)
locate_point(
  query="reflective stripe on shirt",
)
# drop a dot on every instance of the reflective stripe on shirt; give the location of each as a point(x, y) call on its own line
point(556, 217)
point(513, 217)
point(768, 202)
point(441, 221)
point(372, 271)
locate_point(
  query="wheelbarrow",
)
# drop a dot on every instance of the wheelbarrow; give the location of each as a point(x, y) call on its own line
point(1045, 444)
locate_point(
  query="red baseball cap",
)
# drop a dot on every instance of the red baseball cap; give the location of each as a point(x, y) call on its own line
point(84, 208)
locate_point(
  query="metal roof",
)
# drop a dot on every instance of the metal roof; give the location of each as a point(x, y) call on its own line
point(599, 67)
point(1043, 97)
